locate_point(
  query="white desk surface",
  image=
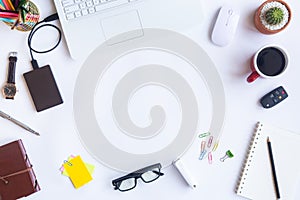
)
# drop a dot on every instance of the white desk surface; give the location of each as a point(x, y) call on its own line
point(59, 139)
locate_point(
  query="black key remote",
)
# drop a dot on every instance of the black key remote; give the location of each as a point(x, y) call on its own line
point(274, 97)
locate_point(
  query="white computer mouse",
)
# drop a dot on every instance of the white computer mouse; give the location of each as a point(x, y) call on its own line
point(225, 26)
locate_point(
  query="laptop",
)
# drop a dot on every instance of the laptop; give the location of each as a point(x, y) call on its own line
point(88, 23)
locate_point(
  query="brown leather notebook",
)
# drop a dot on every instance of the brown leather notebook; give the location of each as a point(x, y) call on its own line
point(17, 178)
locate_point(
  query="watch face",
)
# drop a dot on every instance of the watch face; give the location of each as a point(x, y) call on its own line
point(9, 90)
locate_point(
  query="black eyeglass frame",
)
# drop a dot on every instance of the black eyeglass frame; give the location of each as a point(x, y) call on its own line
point(136, 175)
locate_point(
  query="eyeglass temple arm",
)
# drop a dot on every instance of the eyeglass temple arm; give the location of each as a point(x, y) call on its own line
point(158, 173)
point(149, 168)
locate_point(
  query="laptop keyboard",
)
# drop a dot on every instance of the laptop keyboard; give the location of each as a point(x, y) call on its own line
point(74, 9)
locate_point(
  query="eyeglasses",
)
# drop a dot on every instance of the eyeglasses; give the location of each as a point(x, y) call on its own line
point(147, 174)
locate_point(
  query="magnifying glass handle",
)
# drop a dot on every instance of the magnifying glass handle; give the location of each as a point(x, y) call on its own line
point(182, 169)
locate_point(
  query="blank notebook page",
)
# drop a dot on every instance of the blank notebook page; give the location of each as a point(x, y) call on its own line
point(256, 180)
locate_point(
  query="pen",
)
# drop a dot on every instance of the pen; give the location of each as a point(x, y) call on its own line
point(10, 5)
point(24, 126)
point(7, 20)
point(185, 173)
point(10, 15)
point(273, 168)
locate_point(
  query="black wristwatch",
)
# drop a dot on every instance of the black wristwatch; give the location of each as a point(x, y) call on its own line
point(9, 89)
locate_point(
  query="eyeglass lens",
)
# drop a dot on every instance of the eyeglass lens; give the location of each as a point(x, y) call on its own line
point(127, 184)
point(150, 175)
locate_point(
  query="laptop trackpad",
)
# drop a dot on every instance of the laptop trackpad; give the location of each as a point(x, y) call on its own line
point(122, 23)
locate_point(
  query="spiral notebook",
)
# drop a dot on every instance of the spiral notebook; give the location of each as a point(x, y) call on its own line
point(256, 181)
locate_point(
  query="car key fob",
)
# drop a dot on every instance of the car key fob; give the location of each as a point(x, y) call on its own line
point(274, 97)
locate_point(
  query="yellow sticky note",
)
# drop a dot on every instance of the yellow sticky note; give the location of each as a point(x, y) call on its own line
point(77, 171)
point(89, 167)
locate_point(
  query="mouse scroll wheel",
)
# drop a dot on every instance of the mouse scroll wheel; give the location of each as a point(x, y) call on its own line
point(230, 12)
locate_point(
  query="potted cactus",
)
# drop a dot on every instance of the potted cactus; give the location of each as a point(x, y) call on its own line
point(272, 16)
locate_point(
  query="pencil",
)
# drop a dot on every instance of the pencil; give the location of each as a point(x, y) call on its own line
point(9, 15)
point(2, 5)
point(7, 20)
point(10, 5)
point(5, 4)
point(273, 168)
point(8, 11)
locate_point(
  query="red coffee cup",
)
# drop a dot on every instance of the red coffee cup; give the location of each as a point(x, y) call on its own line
point(270, 61)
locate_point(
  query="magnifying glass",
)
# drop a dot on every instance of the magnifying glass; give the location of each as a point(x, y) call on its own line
point(91, 131)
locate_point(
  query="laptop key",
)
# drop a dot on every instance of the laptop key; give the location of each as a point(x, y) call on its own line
point(77, 14)
point(72, 8)
point(89, 3)
point(91, 10)
point(82, 5)
point(96, 2)
point(70, 16)
point(77, 8)
point(84, 12)
point(110, 4)
point(67, 2)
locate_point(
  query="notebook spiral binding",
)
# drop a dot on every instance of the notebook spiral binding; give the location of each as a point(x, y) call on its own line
point(248, 160)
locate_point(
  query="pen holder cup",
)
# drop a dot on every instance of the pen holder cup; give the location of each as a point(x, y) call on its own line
point(29, 15)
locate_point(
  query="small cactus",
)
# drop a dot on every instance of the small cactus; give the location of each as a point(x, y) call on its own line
point(274, 16)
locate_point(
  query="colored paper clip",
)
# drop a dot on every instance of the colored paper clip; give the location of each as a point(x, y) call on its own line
point(215, 146)
point(210, 159)
point(202, 135)
point(210, 140)
point(65, 161)
point(227, 155)
point(202, 154)
point(203, 143)
point(68, 162)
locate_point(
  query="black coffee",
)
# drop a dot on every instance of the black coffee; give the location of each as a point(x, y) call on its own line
point(271, 61)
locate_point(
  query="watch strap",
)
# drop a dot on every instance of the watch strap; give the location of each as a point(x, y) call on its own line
point(11, 69)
